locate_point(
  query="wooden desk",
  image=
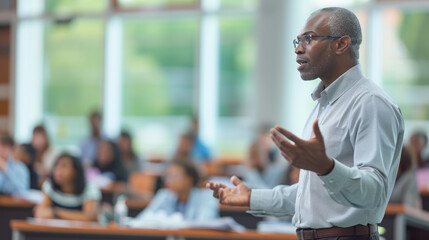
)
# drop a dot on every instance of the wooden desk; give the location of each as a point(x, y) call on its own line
point(402, 222)
point(50, 230)
point(12, 208)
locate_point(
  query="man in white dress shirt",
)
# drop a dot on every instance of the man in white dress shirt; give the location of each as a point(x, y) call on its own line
point(351, 144)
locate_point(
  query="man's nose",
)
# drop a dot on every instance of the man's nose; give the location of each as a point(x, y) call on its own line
point(299, 49)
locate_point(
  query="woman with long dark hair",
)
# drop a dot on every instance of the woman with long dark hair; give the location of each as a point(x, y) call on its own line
point(67, 195)
point(129, 158)
point(46, 155)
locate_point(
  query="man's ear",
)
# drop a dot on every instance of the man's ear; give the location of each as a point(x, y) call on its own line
point(342, 45)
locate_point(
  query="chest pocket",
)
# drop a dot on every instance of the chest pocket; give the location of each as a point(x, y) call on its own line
point(335, 139)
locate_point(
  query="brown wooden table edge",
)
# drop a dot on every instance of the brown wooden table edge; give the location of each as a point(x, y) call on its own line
point(26, 226)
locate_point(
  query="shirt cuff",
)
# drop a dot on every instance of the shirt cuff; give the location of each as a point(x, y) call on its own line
point(337, 178)
point(259, 199)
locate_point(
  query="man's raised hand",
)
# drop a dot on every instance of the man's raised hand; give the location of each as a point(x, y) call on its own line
point(309, 155)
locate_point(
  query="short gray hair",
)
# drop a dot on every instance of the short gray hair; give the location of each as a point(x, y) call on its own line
point(343, 22)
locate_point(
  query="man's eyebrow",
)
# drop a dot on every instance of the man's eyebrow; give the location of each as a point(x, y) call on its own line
point(306, 33)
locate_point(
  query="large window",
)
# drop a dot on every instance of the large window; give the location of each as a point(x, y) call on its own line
point(142, 60)
point(406, 57)
point(73, 75)
point(237, 56)
point(158, 80)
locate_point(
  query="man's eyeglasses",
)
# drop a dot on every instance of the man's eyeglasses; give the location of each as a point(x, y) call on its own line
point(306, 39)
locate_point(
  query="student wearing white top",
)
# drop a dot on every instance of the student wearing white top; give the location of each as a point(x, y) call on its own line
point(67, 195)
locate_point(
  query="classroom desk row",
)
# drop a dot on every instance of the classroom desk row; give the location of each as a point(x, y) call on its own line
point(14, 208)
point(400, 221)
point(58, 229)
point(403, 223)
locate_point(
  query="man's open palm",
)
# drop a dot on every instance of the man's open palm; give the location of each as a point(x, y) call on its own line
point(235, 196)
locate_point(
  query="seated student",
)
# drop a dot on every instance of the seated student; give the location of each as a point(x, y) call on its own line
point(14, 176)
point(182, 195)
point(418, 143)
point(187, 149)
point(260, 171)
point(108, 162)
point(199, 149)
point(405, 190)
point(46, 154)
point(26, 153)
point(67, 195)
point(291, 176)
point(89, 146)
point(129, 158)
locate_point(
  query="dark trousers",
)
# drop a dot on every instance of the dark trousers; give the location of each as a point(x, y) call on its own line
point(374, 236)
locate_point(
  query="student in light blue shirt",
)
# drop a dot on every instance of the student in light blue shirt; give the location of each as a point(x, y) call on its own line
point(89, 146)
point(190, 147)
point(182, 195)
point(14, 175)
point(264, 167)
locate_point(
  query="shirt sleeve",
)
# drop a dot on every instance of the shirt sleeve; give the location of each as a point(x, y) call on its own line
point(279, 201)
point(18, 175)
point(377, 134)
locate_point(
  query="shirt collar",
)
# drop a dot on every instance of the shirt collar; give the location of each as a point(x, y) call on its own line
point(339, 86)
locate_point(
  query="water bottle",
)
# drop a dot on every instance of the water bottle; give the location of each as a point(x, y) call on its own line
point(121, 211)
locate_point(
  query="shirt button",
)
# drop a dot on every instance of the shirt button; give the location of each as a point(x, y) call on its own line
point(323, 108)
point(331, 181)
point(332, 193)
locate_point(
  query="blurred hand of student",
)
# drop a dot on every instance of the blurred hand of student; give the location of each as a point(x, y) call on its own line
point(236, 196)
point(3, 164)
point(43, 212)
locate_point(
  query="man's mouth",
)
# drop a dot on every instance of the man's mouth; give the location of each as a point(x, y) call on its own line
point(302, 64)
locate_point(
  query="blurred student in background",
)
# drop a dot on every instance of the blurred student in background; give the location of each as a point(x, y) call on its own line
point(418, 142)
point(89, 146)
point(26, 154)
point(200, 151)
point(14, 176)
point(129, 158)
point(262, 169)
point(189, 148)
point(46, 155)
point(108, 162)
point(291, 176)
point(182, 195)
point(185, 146)
point(67, 195)
point(405, 190)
